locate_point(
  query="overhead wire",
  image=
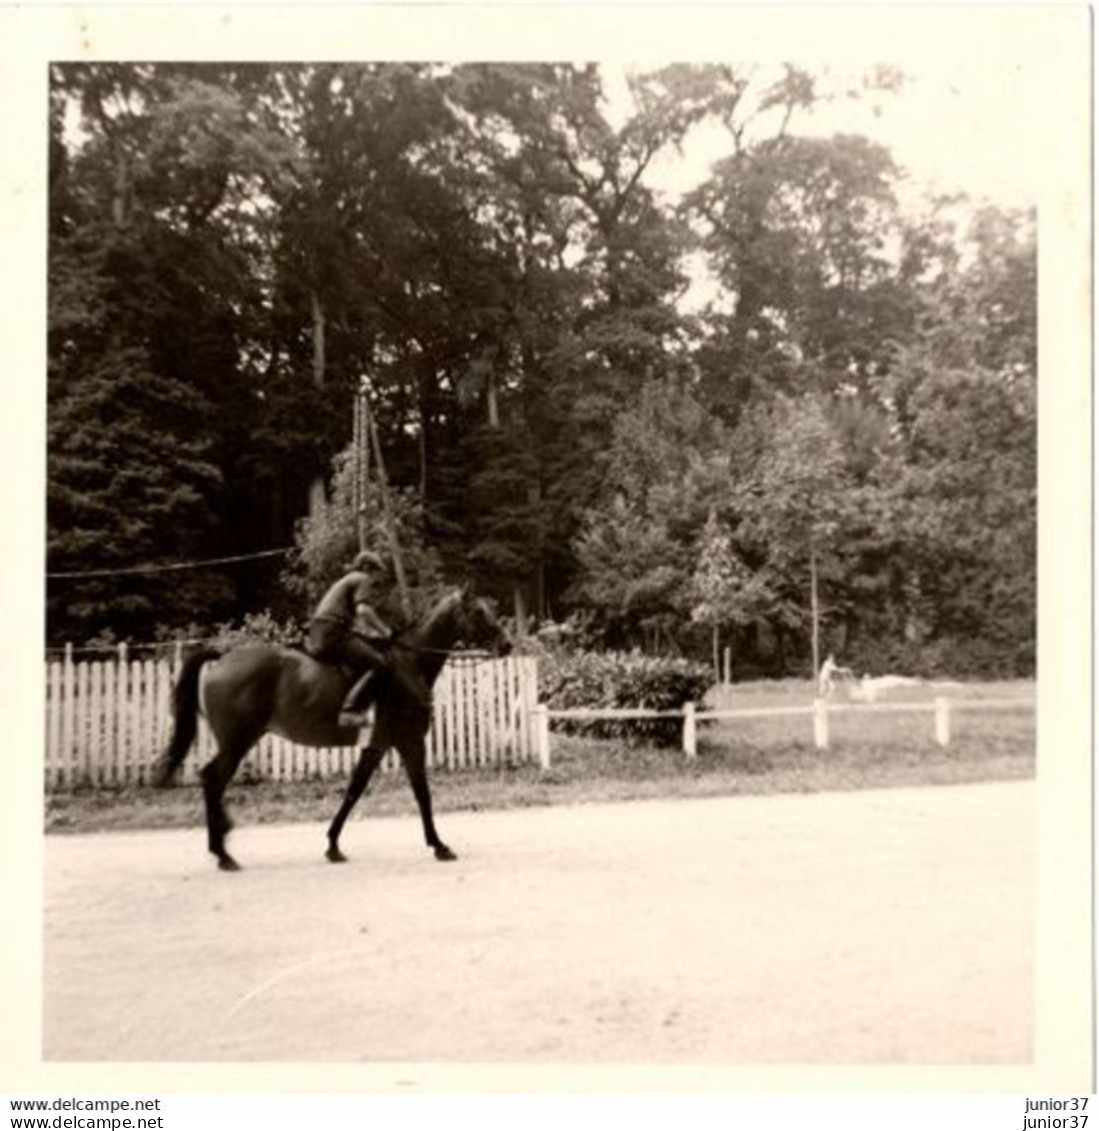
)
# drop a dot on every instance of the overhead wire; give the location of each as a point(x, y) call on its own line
point(132, 571)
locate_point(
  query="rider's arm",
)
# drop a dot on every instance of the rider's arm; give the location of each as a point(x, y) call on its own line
point(369, 623)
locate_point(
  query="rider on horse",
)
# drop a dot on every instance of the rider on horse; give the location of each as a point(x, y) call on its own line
point(346, 629)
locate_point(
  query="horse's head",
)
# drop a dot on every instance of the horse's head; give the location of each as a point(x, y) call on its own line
point(477, 624)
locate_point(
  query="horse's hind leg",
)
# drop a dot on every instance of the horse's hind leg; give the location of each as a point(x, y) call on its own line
point(216, 775)
point(414, 757)
point(369, 759)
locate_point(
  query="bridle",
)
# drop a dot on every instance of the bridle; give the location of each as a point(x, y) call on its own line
point(455, 655)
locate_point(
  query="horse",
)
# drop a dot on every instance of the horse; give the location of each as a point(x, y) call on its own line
point(255, 688)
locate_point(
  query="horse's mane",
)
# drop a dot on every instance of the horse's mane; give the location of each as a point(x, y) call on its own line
point(442, 607)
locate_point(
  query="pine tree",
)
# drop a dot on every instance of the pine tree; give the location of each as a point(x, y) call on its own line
point(130, 478)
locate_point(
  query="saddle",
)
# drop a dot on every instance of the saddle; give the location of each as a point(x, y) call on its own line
point(365, 684)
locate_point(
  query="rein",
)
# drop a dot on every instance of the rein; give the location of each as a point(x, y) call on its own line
point(469, 655)
point(462, 656)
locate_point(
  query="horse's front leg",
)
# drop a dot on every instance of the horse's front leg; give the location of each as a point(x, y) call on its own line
point(369, 759)
point(414, 757)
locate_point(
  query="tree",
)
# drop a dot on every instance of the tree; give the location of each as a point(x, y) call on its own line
point(797, 499)
point(130, 476)
point(328, 539)
point(150, 270)
point(796, 230)
point(637, 545)
point(959, 500)
point(633, 573)
point(723, 590)
point(585, 315)
point(958, 487)
point(236, 248)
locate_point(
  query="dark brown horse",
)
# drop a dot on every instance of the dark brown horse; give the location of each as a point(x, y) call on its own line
point(253, 689)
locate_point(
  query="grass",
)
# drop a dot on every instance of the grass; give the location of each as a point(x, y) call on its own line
point(799, 693)
point(734, 757)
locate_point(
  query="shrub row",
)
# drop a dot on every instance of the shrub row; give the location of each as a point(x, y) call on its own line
point(943, 658)
point(621, 680)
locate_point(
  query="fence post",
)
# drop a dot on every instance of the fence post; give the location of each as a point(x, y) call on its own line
point(690, 730)
point(820, 724)
point(942, 721)
point(541, 734)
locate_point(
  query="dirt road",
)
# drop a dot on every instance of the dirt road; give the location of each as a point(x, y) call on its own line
point(878, 927)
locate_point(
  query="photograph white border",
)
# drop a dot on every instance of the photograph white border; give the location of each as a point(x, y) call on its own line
point(1054, 41)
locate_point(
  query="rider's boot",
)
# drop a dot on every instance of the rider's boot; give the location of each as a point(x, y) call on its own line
point(358, 699)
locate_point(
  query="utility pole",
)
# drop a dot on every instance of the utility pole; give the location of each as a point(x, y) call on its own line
point(367, 445)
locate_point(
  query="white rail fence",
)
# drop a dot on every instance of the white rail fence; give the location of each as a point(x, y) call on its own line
point(940, 709)
point(108, 721)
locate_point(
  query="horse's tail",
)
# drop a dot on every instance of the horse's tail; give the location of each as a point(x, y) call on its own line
point(184, 717)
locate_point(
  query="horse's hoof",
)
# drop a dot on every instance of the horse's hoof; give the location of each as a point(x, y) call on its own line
point(228, 864)
point(335, 855)
point(444, 853)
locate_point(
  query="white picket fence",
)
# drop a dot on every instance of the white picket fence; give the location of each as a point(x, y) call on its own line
point(107, 721)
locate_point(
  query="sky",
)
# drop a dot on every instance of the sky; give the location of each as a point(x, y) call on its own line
point(966, 129)
point(956, 131)
point(958, 124)
point(967, 125)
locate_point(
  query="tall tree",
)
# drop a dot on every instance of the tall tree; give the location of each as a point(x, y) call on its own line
point(797, 502)
point(723, 591)
point(796, 229)
point(637, 545)
point(235, 248)
point(141, 192)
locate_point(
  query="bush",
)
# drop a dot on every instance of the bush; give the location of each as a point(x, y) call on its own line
point(257, 628)
point(621, 680)
point(943, 658)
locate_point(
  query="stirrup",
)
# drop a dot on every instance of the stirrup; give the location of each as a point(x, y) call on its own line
point(353, 719)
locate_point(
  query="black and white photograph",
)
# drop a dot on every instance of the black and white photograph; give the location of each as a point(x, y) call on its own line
point(558, 556)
